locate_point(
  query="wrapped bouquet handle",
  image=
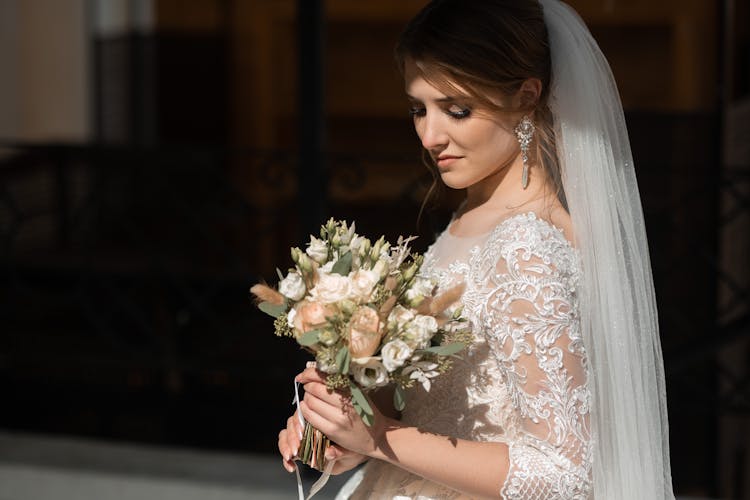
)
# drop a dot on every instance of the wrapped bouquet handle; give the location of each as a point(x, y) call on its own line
point(329, 464)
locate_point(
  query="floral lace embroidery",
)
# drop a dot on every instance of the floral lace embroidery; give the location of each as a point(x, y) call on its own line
point(529, 277)
point(522, 381)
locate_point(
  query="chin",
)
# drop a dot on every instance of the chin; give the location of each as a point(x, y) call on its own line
point(454, 180)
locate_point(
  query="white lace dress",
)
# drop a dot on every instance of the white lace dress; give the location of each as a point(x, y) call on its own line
point(523, 381)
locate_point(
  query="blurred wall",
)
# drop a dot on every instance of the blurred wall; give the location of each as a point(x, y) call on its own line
point(45, 84)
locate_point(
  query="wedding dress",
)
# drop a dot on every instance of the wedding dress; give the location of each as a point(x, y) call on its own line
point(523, 380)
point(566, 366)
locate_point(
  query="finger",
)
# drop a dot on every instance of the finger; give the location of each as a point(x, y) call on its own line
point(286, 460)
point(318, 390)
point(324, 407)
point(342, 452)
point(289, 466)
point(310, 375)
point(333, 415)
point(297, 425)
point(333, 452)
point(335, 398)
point(292, 438)
point(315, 419)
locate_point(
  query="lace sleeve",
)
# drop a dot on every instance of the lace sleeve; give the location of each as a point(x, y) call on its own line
point(531, 319)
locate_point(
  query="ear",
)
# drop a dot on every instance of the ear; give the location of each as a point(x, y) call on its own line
point(529, 93)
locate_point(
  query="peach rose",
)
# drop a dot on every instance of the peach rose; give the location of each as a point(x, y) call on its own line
point(311, 315)
point(364, 332)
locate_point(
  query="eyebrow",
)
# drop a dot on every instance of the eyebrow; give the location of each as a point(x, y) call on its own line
point(442, 99)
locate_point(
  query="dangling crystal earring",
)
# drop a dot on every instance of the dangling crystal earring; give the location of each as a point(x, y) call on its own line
point(525, 132)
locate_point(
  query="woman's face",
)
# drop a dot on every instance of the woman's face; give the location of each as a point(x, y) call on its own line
point(467, 145)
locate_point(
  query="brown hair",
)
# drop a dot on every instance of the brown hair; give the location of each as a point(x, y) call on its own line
point(489, 48)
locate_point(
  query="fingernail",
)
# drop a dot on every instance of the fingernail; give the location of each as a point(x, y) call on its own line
point(296, 450)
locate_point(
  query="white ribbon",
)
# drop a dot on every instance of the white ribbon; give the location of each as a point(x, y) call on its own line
point(318, 485)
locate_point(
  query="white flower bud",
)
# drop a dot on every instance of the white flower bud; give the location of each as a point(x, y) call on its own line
point(317, 250)
point(293, 287)
point(382, 268)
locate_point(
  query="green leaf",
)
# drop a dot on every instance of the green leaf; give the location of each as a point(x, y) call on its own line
point(399, 400)
point(343, 265)
point(360, 399)
point(342, 360)
point(272, 309)
point(309, 338)
point(446, 350)
point(367, 418)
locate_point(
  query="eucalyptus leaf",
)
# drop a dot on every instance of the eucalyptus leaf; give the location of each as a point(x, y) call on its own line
point(309, 338)
point(447, 349)
point(399, 400)
point(360, 399)
point(272, 310)
point(366, 417)
point(343, 265)
point(342, 360)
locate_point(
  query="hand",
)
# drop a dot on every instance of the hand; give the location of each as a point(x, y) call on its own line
point(289, 440)
point(333, 414)
point(345, 459)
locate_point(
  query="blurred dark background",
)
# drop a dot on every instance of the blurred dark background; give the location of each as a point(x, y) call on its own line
point(158, 157)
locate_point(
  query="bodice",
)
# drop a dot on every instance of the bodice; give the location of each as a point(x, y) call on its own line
point(523, 379)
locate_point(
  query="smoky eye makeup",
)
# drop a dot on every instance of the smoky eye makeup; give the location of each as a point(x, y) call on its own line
point(458, 112)
point(416, 109)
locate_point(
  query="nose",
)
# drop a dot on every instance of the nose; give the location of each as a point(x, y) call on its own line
point(431, 133)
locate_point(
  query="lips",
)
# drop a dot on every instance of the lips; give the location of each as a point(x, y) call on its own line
point(447, 160)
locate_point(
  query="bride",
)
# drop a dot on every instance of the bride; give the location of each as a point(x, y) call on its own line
point(561, 394)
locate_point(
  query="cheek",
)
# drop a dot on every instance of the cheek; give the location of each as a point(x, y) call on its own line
point(491, 143)
point(419, 129)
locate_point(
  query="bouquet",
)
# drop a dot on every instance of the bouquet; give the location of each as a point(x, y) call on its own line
point(367, 315)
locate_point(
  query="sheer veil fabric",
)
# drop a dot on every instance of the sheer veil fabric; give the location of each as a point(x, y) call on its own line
point(618, 308)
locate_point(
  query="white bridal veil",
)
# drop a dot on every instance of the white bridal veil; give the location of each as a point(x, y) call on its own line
point(618, 308)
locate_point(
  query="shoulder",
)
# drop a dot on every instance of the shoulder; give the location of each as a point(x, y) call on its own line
point(528, 242)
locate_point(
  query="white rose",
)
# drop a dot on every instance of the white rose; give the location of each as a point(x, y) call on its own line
point(362, 284)
point(317, 250)
point(331, 288)
point(419, 331)
point(395, 353)
point(327, 267)
point(423, 286)
point(293, 286)
point(426, 323)
point(369, 372)
point(399, 317)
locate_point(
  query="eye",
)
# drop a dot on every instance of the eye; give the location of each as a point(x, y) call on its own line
point(417, 111)
point(458, 112)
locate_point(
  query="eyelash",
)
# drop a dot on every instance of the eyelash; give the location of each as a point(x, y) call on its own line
point(415, 112)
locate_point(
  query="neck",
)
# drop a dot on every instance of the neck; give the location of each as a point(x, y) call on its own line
point(503, 189)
